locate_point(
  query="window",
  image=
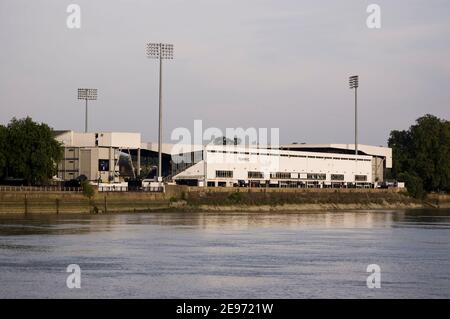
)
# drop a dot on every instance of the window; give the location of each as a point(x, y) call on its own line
point(316, 176)
point(361, 178)
point(224, 174)
point(103, 165)
point(280, 175)
point(337, 177)
point(255, 175)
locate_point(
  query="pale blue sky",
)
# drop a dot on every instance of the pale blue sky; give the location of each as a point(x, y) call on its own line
point(248, 63)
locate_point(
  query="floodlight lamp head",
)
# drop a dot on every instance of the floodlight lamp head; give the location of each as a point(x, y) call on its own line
point(354, 81)
point(87, 94)
point(159, 51)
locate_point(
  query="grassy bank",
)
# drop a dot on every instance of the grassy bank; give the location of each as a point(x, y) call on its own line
point(178, 198)
point(299, 201)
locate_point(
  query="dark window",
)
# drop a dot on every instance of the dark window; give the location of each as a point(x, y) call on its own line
point(103, 165)
point(280, 175)
point(337, 177)
point(361, 178)
point(255, 175)
point(316, 176)
point(224, 174)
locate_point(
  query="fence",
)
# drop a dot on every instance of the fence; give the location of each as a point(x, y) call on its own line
point(39, 189)
point(104, 188)
point(115, 188)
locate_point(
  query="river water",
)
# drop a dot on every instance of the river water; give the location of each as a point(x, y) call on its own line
point(227, 255)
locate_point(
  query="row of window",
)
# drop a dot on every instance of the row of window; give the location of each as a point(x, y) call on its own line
point(289, 155)
point(255, 175)
point(285, 175)
point(319, 177)
point(337, 177)
point(361, 178)
point(224, 174)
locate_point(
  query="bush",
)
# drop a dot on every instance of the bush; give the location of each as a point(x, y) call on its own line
point(414, 185)
point(235, 197)
point(173, 199)
point(88, 189)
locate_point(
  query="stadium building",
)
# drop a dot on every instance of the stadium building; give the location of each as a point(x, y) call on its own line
point(98, 157)
point(296, 165)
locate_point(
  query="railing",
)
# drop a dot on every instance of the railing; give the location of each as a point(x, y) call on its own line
point(107, 188)
point(154, 189)
point(114, 188)
point(39, 189)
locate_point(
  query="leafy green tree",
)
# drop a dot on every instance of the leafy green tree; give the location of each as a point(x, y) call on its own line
point(32, 151)
point(421, 155)
point(3, 151)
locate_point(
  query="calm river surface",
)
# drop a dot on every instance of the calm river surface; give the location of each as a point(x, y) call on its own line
point(227, 255)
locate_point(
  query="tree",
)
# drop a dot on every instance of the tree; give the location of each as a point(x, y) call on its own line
point(32, 151)
point(421, 155)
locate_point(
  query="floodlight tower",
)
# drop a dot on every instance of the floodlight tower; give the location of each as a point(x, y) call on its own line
point(87, 94)
point(159, 51)
point(354, 84)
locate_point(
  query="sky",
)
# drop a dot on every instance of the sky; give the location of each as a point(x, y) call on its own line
point(249, 63)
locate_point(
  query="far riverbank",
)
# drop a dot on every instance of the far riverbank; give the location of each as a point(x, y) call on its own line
point(183, 198)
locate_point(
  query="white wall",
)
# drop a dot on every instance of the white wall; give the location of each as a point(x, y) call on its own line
point(105, 139)
point(241, 163)
point(83, 139)
point(66, 138)
point(126, 140)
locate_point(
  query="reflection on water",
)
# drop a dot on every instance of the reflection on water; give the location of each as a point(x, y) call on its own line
point(260, 255)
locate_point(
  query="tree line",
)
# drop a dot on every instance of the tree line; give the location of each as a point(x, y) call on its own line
point(29, 152)
point(421, 155)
